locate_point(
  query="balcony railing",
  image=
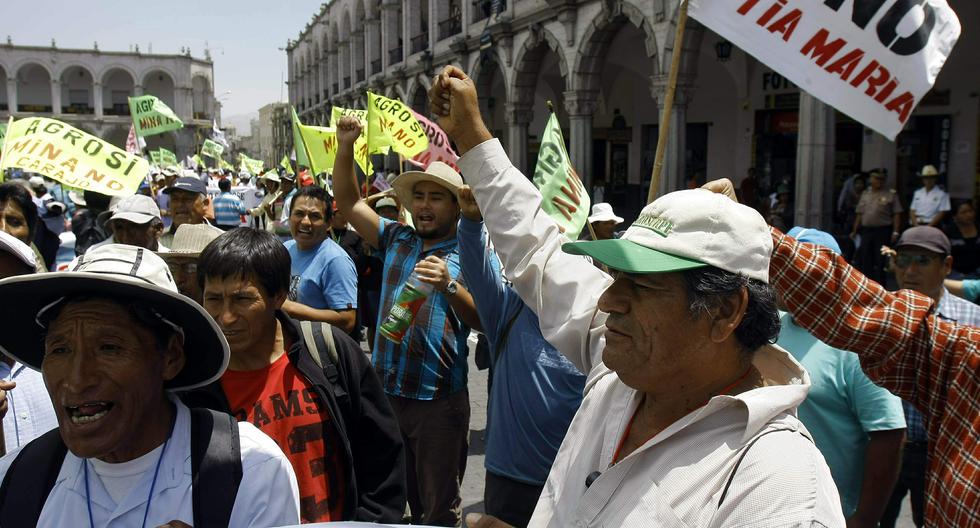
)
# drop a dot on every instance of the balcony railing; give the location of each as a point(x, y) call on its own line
point(360, 74)
point(38, 108)
point(481, 9)
point(77, 109)
point(395, 55)
point(116, 109)
point(450, 27)
point(375, 66)
point(197, 115)
point(420, 42)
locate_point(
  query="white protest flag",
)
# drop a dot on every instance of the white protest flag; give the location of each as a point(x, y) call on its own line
point(217, 135)
point(872, 60)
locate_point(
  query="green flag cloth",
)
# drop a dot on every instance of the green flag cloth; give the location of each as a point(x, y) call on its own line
point(3, 132)
point(392, 123)
point(151, 116)
point(361, 151)
point(71, 156)
point(562, 195)
point(167, 158)
point(226, 166)
point(250, 165)
point(284, 163)
point(320, 143)
point(198, 161)
point(212, 150)
point(302, 158)
point(155, 157)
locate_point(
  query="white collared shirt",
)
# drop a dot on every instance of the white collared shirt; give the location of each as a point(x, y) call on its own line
point(267, 496)
point(677, 477)
point(29, 410)
point(927, 204)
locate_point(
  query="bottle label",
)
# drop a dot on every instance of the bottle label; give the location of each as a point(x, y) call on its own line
point(402, 313)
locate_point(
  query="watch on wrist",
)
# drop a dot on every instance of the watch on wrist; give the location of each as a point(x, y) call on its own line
point(451, 288)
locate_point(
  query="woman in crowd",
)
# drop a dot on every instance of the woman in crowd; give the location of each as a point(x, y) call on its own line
point(963, 235)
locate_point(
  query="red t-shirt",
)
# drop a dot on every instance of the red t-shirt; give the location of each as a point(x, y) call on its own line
point(278, 400)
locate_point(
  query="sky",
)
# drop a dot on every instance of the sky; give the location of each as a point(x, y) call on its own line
point(244, 36)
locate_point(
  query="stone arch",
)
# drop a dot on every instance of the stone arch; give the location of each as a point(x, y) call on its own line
point(33, 87)
point(77, 85)
point(4, 97)
point(599, 34)
point(118, 84)
point(690, 46)
point(490, 77)
point(418, 96)
point(530, 61)
point(159, 82)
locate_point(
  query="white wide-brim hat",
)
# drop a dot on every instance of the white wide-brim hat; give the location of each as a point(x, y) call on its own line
point(603, 212)
point(437, 172)
point(130, 274)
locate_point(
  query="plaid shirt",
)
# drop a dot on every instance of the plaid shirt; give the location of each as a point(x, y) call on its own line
point(932, 363)
point(430, 362)
point(228, 209)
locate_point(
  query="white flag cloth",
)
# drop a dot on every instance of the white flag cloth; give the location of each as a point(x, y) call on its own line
point(873, 61)
point(217, 135)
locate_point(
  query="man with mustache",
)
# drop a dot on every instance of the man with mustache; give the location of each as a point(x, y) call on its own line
point(188, 205)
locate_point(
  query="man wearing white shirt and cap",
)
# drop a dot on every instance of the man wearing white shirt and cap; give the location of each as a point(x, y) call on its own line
point(930, 204)
point(689, 410)
point(135, 221)
point(114, 339)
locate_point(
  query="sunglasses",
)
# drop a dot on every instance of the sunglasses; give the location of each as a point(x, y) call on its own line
point(904, 261)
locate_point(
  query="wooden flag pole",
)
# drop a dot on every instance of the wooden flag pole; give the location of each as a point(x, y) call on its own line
point(668, 102)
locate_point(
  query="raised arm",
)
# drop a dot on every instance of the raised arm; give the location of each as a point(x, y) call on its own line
point(346, 191)
point(562, 289)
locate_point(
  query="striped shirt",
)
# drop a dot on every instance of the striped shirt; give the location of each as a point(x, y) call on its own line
point(932, 363)
point(430, 362)
point(228, 210)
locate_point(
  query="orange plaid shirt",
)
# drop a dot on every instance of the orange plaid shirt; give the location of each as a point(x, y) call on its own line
point(931, 363)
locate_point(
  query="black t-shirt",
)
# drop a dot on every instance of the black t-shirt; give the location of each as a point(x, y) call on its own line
point(966, 250)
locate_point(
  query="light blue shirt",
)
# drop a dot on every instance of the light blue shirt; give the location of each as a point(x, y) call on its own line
point(267, 496)
point(536, 390)
point(29, 410)
point(843, 406)
point(322, 278)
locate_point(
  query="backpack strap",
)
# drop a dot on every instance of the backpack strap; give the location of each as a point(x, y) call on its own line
point(506, 335)
point(319, 341)
point(216, 466)
point(745, 451)
point(30, 478)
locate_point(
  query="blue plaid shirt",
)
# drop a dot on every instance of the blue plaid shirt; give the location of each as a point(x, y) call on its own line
point(951, 308)
point(430, 362)
point(228, 210)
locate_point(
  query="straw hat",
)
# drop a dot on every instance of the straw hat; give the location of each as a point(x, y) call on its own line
point(437, 172)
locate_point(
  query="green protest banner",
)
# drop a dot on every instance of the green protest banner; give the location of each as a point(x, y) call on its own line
point(302, 159)
point(284, 163)
point(198, 162)
point(167, 158)
point(226, 166)
point(71, 156)
point(392, 123)
point(151, 116)
point(321, 146)
point(362, 150)
point(155, 157)
point(250, 165)
point(562, 194)
point(212, 150)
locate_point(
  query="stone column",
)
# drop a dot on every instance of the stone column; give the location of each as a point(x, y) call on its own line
point(137, 90)
point(814, 164)
point(97, 100)
point(12, 94)
point(580, 107)
point(372, 46)
point(518, 117)
point(56, 96)
point(674, 170)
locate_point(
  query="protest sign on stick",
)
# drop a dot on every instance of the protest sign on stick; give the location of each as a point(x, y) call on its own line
point(563, 196)
point(212, 150)
point(151, 116)
point(439, 148)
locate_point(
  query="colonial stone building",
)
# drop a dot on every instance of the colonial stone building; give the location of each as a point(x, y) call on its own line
point(89, 89)
point(604, 64)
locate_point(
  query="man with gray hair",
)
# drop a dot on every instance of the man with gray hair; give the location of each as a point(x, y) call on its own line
point(689, 410)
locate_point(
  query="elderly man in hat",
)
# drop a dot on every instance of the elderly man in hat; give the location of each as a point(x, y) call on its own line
point(136, 221)
point(425, 374)
point(603, 221)
point(930, 204)
point(189, 203)
point(113, 338)
point(689, 410)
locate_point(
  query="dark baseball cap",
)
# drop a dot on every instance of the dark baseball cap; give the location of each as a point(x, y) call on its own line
point(189, 184)
point(925, 237)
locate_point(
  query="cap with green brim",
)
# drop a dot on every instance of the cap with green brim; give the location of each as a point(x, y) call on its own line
point(630, 257)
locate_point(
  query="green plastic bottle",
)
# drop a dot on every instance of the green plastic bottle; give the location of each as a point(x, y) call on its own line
point(406, 306)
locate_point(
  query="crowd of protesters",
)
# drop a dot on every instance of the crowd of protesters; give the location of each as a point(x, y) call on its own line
point(224, 350)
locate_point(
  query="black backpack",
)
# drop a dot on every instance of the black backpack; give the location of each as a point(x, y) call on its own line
point(216, 469)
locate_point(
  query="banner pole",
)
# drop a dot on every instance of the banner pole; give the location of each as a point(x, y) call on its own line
point(668, 102)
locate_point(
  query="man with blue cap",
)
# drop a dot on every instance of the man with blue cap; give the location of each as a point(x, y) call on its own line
point(858, 426)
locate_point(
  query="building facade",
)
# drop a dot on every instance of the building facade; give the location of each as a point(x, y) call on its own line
point(89, 89)
point(604, 64)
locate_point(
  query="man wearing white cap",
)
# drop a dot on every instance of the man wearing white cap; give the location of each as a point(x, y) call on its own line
point(27, 412)
point(604, 221)
point(689, 410)
point(425, 374)
point(930, 204)
point(387, 207)
point(135, 221)
point(114, 339)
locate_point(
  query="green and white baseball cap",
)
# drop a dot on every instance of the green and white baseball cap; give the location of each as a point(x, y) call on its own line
point(686, 230)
